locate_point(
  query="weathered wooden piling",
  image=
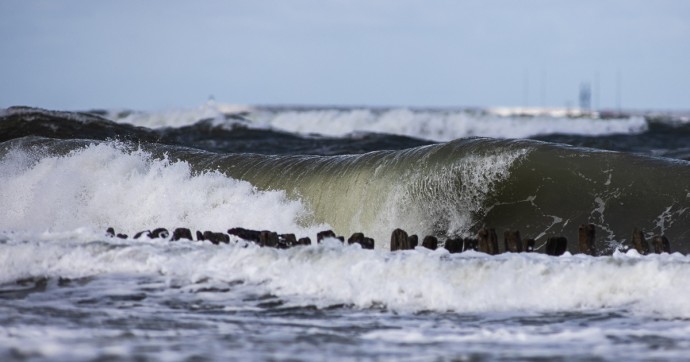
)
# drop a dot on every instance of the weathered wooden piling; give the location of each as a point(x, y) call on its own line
point(359, 238)
point(512, 241)
point(368, 243)
point(399, 240)
point(661, 244)
point(430, 242)
point(356, 238)
point(181, 233)
point(413, 241)
point(160, 233)
point(245, 234)
point(111, 233)
point(639, 242)
point(324, 234)
point(453, 245)
point(487, 241)
point(529, 245)
point(469, 244)
point(216, 238)
point(556, 245)
point(286, 241)
point(268, 238)
point(586, 234)
point(493, 241)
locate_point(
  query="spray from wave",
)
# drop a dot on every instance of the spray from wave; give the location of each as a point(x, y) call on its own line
point(112, 184)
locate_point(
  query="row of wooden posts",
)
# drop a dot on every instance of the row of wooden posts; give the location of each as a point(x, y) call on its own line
point(486, 240)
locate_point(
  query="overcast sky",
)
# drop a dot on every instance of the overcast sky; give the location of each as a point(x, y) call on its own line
point(153, 55)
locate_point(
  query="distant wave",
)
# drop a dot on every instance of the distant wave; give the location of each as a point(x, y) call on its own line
point(442, 125)
point(433, 125)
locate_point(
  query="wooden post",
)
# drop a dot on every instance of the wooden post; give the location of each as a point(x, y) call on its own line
point(512, 241)
point(469, 244)
point(412, 241)
point(304, 241)
point(160, 233)
point(356, 238)
point(181, 233)
point(556, 245)
point(268, 238)
point(245, 234)
point(487, 241)
point(368, 243)
point(399, 240)
point(216, 238)
point(454, 245)
point(286, 241)
point(493, 242)
point(430, 242)
point(359, 238)
point(483, 240)
point(586, 239)
point(661, 244)
point(529, 245)
point(639, 242)
point(324, 234)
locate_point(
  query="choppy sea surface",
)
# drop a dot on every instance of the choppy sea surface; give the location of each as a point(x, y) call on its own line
point(69, 291)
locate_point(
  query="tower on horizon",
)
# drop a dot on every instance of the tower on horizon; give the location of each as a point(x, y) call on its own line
point(585, 96)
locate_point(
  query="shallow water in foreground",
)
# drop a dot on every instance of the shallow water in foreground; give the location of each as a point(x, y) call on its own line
point(65, 299)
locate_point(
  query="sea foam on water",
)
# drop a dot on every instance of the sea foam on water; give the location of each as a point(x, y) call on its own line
point(110, 184)
point(410, 281)
point(433, 125)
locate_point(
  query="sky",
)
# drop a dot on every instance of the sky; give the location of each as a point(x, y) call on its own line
point(155, 55)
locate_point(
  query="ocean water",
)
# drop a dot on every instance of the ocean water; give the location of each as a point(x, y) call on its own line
point(69, 291)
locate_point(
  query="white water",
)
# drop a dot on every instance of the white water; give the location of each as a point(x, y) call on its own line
point(179, 117)
point(441, 125)
point(435, 125)
point(173, 301)
point(107, 185)
point(411, 281)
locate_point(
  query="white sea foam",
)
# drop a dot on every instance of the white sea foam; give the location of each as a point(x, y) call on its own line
point(472, 178)
point(180, 117)
point(435, 125)
point(417, 280)
point(441, 125)
point(107, 185)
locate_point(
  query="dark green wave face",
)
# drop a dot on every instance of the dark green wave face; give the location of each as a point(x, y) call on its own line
point(554, 189)
point(437, 189)
point(455, 188)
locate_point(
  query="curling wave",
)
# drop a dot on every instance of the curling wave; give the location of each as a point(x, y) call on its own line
point(454, 188)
